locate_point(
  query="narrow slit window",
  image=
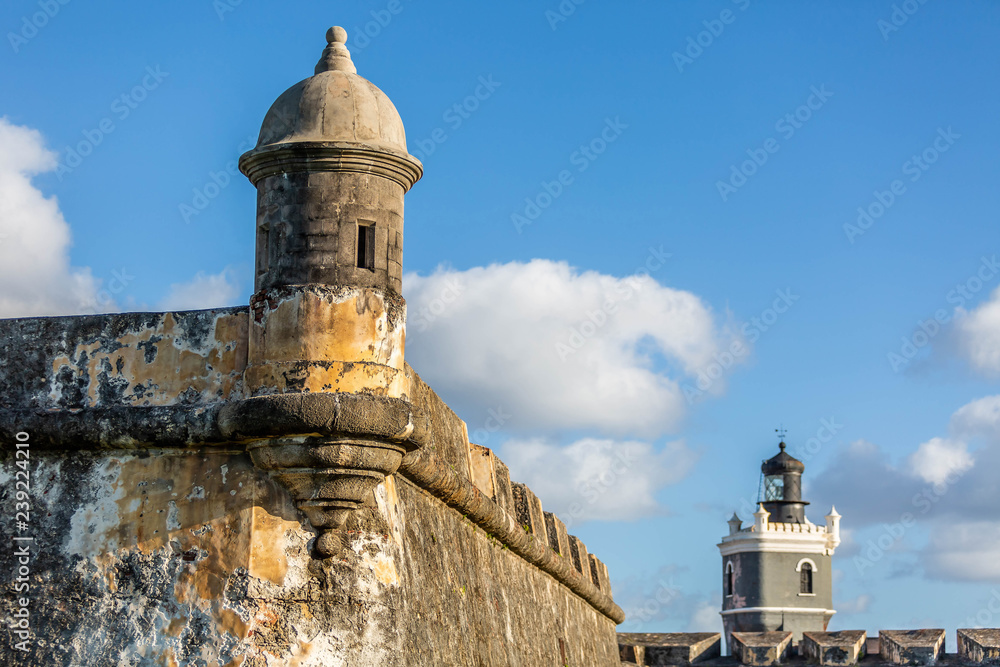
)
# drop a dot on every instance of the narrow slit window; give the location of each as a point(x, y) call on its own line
point(729, 578)
point(263, 248)
point(366, 245)
point(806, 579)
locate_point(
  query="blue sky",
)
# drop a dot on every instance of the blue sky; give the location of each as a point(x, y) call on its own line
point(872, 86)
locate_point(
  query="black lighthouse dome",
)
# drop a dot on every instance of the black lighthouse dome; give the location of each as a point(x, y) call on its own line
point(782, 463)
point(783, 487)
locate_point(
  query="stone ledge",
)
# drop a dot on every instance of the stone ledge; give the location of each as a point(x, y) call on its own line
point(761, 648)
point(872, 659)
point(846, 647)
point(911, 647)
point(394, 419)
point(135, 427)
point(980, 645)
point(673, 648)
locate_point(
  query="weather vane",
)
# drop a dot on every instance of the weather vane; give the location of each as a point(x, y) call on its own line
point(782, 432)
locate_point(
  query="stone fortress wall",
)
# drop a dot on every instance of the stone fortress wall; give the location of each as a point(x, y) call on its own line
point(158, 541)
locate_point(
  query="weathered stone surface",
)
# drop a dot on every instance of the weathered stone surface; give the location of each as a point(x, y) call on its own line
point(169, 517)
point(123, 360)
point(911, 647)
point(846, 647)
point(631, 654)
point(393, 419)
point(504, 493)
point(481, 467)
point(530, 515)
point(448, 436)
point(761, 648)
point(558, 537)
point(308, 223)
point(581, 558)
point(672, 648)
point(980, 645)
point(324, 338)
point(599, 574)
point(497, 589)
point(336, 104)
point(186, 557)
point(421, 467)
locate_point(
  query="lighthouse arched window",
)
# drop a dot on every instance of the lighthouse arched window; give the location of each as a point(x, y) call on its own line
point(806, 568)
point(730, 576)
point(774, 487)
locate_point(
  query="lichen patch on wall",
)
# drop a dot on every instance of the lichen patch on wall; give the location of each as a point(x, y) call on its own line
point(162, 364)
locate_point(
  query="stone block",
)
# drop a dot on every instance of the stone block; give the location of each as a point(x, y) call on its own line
point(599, 574)
point(581, 561)
point(980, 645)
point(529, 512)
point(504, 493)
point(595, 576)
point(631, 654)
point(558, 537)
point(381, 246)
point(674, 648)
point(481, 469)
point(449, 434)
point(761, 648)
point(911, 647)
point(846, 647)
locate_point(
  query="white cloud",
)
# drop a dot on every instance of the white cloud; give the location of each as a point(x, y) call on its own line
point(204, 291)
point(35, 240)
point(34, 237)
point(598, 479)
point(858, 605)
point(966, 551)
point(978, 418)
point(706, 618)
point(949, 491)
point(560, 349)
point(938, 459)
point(978, 335)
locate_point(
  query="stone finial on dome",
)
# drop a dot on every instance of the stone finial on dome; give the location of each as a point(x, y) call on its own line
point(335, 56)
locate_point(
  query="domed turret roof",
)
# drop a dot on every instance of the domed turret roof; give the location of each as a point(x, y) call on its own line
point(334, 105)
point(782, 463)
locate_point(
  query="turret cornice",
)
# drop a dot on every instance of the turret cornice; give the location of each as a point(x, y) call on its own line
point(331, 156)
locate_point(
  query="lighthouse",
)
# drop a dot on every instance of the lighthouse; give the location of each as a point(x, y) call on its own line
point(776, 572)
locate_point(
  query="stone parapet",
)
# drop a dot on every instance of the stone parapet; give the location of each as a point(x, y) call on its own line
point(760, 649)
point(911, 647)
point(671, 648)
point(980, 645)
point(473, 480)
point(846, 647)
point(124, 360)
